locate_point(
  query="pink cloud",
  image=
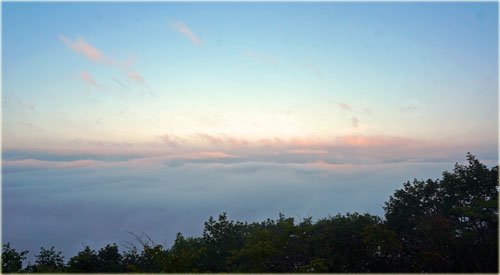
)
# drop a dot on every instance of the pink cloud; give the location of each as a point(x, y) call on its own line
point(82, 47)
point(136, 77)
point(87, 78)
point(187, 32)
point(208, 155)
point(308, 151)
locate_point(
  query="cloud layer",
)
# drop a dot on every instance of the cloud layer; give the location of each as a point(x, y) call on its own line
point(95, 204)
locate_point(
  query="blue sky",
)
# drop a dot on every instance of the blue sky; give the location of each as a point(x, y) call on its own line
point(240, 93)
point(252, 57)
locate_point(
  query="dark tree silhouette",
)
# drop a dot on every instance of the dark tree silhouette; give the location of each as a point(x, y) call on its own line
point(12, 261)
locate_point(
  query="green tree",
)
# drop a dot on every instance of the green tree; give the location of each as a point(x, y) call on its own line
point(47, 261)
point(449, 224)
point(12, 261)
point(383, 248)
point(109, 259)
point(340, 241)
point(220, 237)
point(86, 261)
point(185, 254)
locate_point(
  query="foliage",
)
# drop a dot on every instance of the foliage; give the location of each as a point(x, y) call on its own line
point(12, 261)
point(449, 224)
point(86, 261)
point(47, 261)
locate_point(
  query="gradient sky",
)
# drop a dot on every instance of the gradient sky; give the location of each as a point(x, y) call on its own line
point(234, 100)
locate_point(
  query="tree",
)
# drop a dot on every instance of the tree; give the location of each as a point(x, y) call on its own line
point(449, 224)
point(48, 261)
point(109, 259)
point(340, 242)
point(220, 238)
point(12, 261)
point(152, 258)
point(185, 254)
point(383, 248)
point(86, 261)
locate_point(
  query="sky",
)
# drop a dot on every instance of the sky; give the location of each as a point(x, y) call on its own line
point(149, 117)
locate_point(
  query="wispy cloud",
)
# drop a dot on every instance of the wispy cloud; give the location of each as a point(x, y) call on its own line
point(136, 77)
point(344, 106)
point(354, 121)
point(187, 32)
point(313, 68)
point(261, 57)
point(23, 104)
point(411, 107)
point(123, 86)
point(87, 78)
point(82, 47)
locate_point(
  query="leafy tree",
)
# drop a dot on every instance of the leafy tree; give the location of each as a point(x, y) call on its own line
point(185, 254)
point(449, 225)
point(152, 257)
point(12, 261)
point(109, 259)
point(131, 261)
point(220, 238)
point(339, 241)
point(86, 261)
point(48, 261)
point(383, 248)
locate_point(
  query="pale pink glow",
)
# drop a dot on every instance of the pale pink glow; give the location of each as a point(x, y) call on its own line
point(34, 163)
point(341, 154)
point(187, 32)
point(323, 165)
point(314, 152)
point(205, 155)
point(306, 141)
point(373, 141)
point(270, 142)
point(82, 47)
point(345, 106)
point(87, 78)
point(203, 139)
point(308, 152)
